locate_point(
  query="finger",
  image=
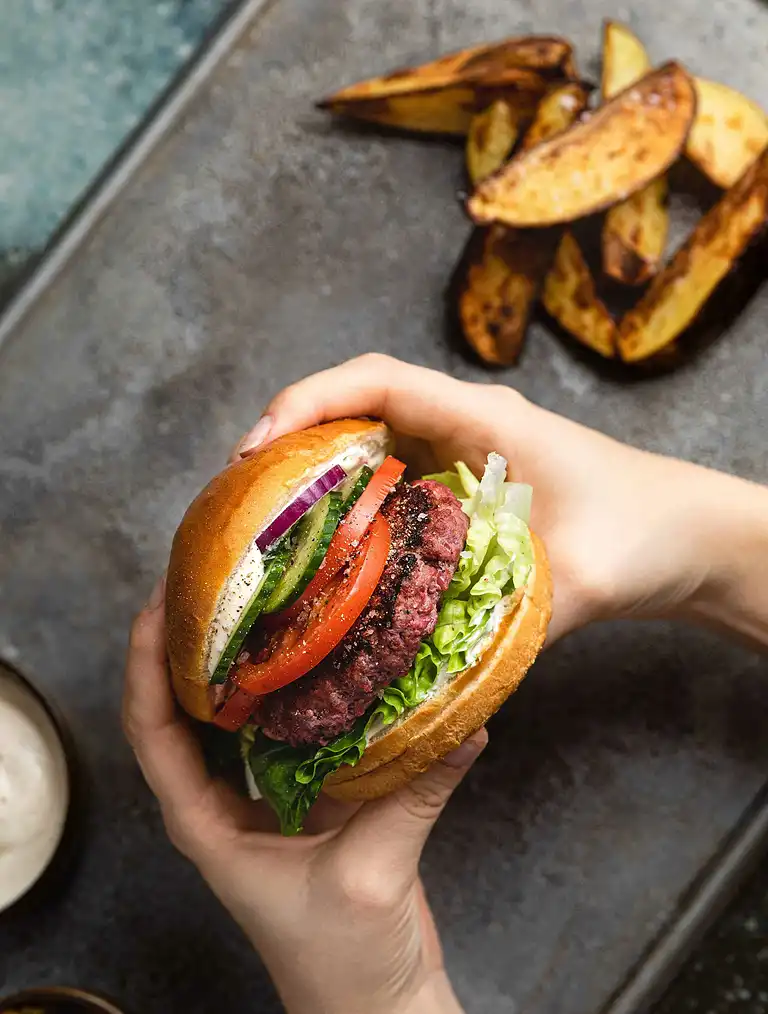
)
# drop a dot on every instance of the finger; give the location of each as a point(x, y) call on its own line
point(395, 829)
point(167, 752)
point(414, 401)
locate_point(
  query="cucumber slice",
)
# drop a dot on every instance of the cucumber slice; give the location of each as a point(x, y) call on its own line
point(354, 486)
point(313, 535)
point(273, 571)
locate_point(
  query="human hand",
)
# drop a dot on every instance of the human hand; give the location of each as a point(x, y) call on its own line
point(339, 916)
point(628, 533)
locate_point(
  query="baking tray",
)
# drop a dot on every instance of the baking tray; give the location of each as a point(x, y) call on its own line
point(243, 241)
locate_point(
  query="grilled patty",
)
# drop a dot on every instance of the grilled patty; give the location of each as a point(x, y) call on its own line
point(428, 530)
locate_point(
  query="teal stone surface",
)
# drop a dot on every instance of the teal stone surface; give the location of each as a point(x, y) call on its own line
point(76, 76)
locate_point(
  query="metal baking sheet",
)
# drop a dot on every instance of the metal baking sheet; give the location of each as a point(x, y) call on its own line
point(245, 241)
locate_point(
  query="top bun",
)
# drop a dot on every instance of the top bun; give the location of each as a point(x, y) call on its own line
point(214, 552)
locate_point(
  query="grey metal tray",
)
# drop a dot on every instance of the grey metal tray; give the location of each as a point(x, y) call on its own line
point(241, 242)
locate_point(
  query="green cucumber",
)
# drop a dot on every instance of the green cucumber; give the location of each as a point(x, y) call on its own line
point(313, 536)
point(354, 486)
point(274, 568)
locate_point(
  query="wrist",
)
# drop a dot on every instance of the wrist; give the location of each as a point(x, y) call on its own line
point(733, 539)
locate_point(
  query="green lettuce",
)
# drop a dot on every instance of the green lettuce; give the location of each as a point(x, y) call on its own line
point(496, 560)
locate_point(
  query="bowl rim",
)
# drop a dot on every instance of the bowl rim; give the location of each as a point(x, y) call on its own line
point(73, 994)
point(64, 736)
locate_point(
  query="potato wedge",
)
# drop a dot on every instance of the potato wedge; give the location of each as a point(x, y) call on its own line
point(679, 293)
point(635, 231)
point(442, 96)
point(501, 279)
point(556, 111)
point(635, 234)
point(502, 270)
point(570, 297)
point(729, 132)
point(625, 59)
point(598, 162)
point(546, 55)
point(491, 138)
point(446, 109)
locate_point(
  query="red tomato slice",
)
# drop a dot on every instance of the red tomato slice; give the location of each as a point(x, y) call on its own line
point(349, 533)
point(235, 711)
point(301, 646)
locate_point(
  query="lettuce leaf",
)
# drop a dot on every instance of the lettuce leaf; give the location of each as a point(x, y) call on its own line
point(496, 560)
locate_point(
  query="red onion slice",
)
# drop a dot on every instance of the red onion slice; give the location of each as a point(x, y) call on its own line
point(299, 507)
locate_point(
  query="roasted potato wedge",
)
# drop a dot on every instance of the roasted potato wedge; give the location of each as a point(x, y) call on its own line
point(679, 293)
point(500, 282)
point(635, 234)
point(491, 138)
point(442, 97)
point(598, 162)
point(502, 270)
point(542, 54)
point(446, 110)
point(635, 231)
point(625, 60)
point(729, 132)
point(569, 296)
point(556, 111)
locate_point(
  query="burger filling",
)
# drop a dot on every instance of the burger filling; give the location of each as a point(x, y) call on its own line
point(428, 531)
point(382, 594)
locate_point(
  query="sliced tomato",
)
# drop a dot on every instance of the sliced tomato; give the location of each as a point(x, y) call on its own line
point(349, 533)
point(235, 711)
point(300, 646)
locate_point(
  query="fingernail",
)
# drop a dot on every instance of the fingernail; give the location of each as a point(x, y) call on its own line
point(155, 600)
point(256, 437)
point(463, 755)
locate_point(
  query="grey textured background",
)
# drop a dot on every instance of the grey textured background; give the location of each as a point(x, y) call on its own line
point(259, 244)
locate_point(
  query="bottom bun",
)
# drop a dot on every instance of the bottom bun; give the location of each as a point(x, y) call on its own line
point(462, 706)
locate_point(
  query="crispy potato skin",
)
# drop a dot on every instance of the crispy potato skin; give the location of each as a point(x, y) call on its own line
point(678, 294)
point(503, 273)
point(598, 162)
point(546, 55)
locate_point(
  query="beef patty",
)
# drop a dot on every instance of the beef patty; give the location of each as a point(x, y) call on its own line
point(429, 530)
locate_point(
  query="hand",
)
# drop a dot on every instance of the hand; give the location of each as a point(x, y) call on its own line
point(339, 916)
point(628, 533)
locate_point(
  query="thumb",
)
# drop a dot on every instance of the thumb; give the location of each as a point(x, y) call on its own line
point(396, 828)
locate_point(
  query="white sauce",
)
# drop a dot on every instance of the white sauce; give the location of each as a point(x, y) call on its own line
point(244, 580)
point(34, 789)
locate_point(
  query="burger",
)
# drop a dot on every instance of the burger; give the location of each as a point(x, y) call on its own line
point(347, 626)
